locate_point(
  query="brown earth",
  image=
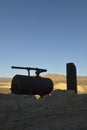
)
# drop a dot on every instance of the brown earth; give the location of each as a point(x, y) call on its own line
point(61, 110)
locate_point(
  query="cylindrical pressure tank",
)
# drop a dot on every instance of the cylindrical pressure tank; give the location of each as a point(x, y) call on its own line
point(31, 85)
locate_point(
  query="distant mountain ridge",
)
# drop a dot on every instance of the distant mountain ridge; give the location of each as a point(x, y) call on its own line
point(5, 79)
point(56, 78)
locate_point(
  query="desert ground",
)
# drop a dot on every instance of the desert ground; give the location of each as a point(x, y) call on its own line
point(61, 110)
point(59, 82)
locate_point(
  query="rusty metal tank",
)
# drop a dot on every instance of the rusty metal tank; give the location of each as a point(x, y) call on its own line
point(31, 85)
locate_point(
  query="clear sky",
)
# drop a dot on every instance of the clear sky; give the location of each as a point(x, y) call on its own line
point(43, 33)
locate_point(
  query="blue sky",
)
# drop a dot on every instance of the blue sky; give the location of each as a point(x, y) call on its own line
point(43, 33)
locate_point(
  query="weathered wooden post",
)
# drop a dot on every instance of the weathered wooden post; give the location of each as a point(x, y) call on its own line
point(71, 77)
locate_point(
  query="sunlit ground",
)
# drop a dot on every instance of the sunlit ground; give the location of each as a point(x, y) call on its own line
point(80, 89)
point(5, 88)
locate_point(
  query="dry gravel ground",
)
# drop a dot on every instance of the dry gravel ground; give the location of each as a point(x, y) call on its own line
point(61, 110)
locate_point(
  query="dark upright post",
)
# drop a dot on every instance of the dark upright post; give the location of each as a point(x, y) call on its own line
point(71, 77)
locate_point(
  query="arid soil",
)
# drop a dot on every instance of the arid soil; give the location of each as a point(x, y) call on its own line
point(61, 110)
